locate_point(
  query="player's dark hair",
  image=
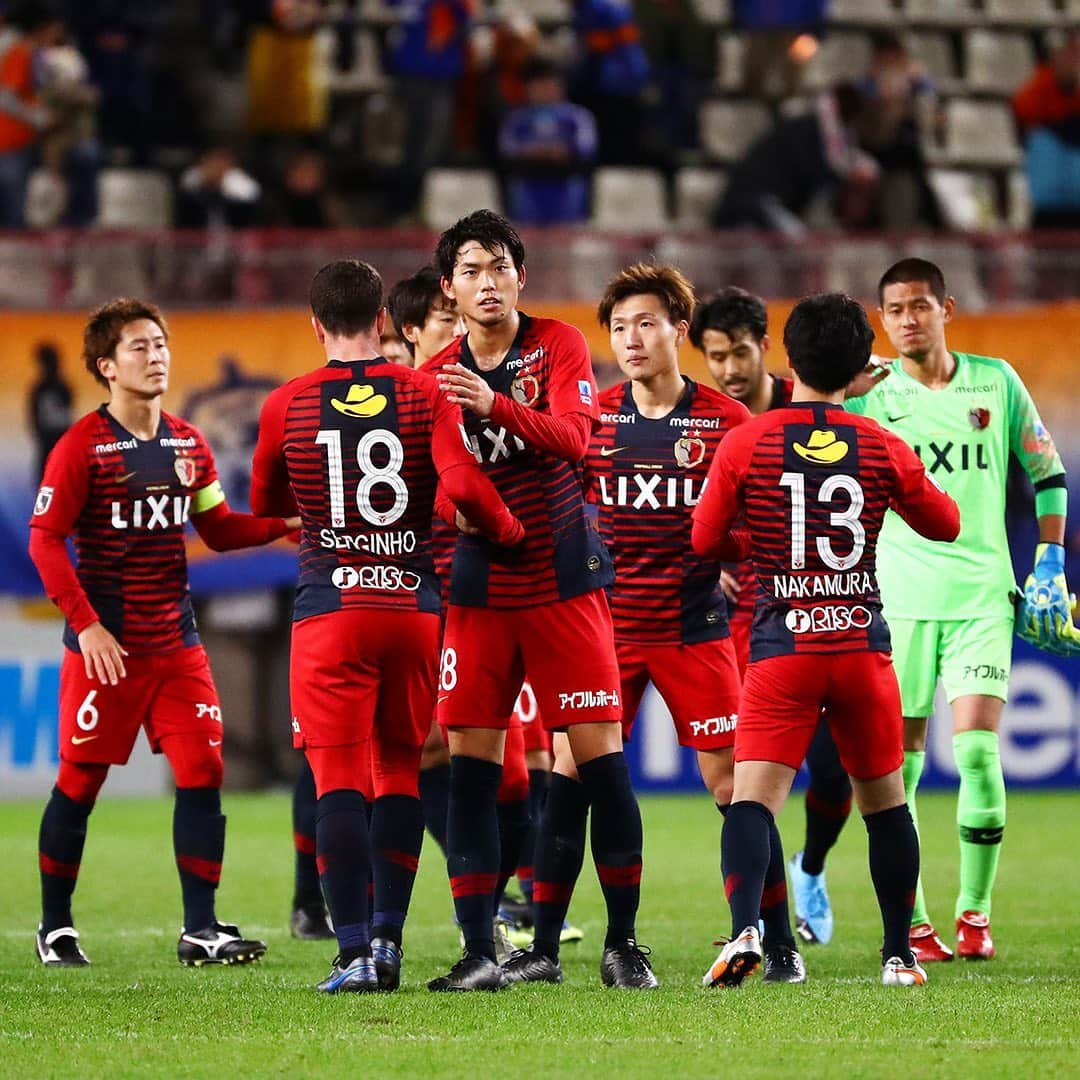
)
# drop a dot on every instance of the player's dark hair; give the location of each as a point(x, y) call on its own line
point(412, 299)
point(346, 296)
point(908, 270)
point(490, 230)
point(828, 338)
point(105, 325)
point(733, 311)
point(667, 282)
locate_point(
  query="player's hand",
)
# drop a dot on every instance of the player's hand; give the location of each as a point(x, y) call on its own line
point(464, 525)
point(729, 584)
point(467, 389)
point(102, 654)
point(1044, 612)
point(877, 368)
point(292, 523)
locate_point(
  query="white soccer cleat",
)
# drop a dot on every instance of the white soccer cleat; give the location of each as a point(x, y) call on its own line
point(740, 957)
point(897, 972)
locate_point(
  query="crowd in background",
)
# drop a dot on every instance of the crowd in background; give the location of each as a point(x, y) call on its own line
point(263, 112)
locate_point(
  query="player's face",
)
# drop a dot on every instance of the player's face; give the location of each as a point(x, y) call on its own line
point(140, 362)
point(643, 338)
point(395, 350)
point(442, 325)
point(485, 285)
point(914, 318)
point(736, 362)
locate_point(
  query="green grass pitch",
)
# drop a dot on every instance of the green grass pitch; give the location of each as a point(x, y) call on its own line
point(136, 1012)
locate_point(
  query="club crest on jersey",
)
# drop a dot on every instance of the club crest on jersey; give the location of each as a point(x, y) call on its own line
point(525, 389)
point(822, 448)
point(43, 501)
point(979, 418)
point(185, 470)
point(361, 402)
point(689, 450)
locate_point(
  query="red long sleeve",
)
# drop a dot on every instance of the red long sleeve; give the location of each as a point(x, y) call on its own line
point(271, 495)
point(226, 530)
point(565, 436)
point(48, 551)
point(920, 500)
point(711, 536)
point(475, 496)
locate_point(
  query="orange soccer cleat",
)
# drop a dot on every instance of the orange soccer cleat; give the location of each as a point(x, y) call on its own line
point(973, 940)
point(927, 945)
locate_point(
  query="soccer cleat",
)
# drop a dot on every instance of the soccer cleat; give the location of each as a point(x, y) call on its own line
point(60, 948)
point(738, 958)
point(387, 957)
point(311, 923)
point(927, 946)
point(516, 912)
point(356, 977)
point(897, 972)
point(973, 940)
point(524, 965)
point(221, 943)
point(471, 973)
point(503, 945)
point(626, 967)
point(784, 965)
point(570, 935)
point(813, 912)
point(522, 938)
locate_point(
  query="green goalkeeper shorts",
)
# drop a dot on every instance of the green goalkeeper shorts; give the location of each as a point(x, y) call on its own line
point(970, 656)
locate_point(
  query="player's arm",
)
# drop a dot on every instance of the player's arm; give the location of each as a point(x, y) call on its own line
point(917, 497)
point(711, 535)
point(271, 495)
point(462, 482)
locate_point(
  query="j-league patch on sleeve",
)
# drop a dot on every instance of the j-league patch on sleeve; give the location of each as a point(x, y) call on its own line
point(43, 501)
point(585, 390)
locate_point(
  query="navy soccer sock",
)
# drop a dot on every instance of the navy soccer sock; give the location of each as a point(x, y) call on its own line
point(434, 797)
point(397, 832)
point(894, 869)
point(199, 844)
point(60, 846)
point(744, 857)
point(306, 890)
point(344, 857)
point(514, 828)
point(539, 784)
point(828, 799)
point(560, 852)
point(774, 897)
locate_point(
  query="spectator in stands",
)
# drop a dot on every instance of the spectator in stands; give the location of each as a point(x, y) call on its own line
point(216, 193)
point(801, 159)
point(305, 199)
point(1048, 108)
point(49, 403)
point(900, 107)
point(547, 147)
point(612, 76)
point(22, 116)
point(780, 39)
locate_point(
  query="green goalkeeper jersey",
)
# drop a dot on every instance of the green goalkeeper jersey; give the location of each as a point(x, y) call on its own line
point(964, 434)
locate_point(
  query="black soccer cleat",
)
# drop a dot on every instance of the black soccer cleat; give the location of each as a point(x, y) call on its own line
point(356, 977)
point(626, 967)
point(471, 973)
point(387, 957)
point(221, 943)
point(525, 965)
point(311, 923)
point(784, 965)
point(516, 913)
point(60, 948)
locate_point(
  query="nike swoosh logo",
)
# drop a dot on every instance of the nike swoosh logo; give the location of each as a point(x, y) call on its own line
point(215, 742)
point(609, 451)
point(442, 698)
point(77, 739)
point(900, 416)
point(124, 477)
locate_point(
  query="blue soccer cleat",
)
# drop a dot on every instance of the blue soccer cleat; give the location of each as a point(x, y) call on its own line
point(813, 912)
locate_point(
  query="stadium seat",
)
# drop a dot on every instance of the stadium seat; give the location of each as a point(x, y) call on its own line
point(730, 62)
point(46, 199)
point(854, 267)
point(967, 200)
point(1035, 13)
point(134, 199)
point(631, 200)
point(862, 12)
point(1018, 195)
point(26, 276)
point(697, 191)
point(934, 51)
point(727, 128)
point(713, 12)
point(978, 133)
point(840, 57)
point(540, 10)
point(366, 73)
point(383, 125)
point(997, 62)
point(957, 260)
point(449, 194)
point(941, 12)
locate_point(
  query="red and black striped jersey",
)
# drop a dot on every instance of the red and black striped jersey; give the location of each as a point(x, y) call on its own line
point(126, 502)
point(646, 476)
point(814, 482)
point(358, 449)
point(546, 375)
point(743, 607)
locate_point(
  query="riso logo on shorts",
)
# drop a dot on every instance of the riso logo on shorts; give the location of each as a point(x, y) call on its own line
point(716, 725)
point(386, 578)
point(824, 620)
point(588, 699)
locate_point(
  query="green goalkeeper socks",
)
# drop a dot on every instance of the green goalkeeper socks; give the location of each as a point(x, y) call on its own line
point(911, 771)
point(980, 817)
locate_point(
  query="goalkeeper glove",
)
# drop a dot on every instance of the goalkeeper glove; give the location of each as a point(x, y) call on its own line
point(1044, 614)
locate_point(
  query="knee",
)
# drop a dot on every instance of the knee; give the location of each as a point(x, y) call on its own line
point(195, 764)
point(80, 782)
point(396, 770)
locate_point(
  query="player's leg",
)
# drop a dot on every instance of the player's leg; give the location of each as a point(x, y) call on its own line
point(435, 784)
point(512, 808)
point(309, 920)
point(975, 672)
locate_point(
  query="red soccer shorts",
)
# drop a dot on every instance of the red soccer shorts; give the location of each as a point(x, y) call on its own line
point(740, 639)
point(526, 710)
point(566, 647)
point(699, 684)
point(782, 701)
point(361, 671)
point(169, 693)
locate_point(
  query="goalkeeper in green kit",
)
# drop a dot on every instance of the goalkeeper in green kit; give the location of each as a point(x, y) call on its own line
point(950, 607)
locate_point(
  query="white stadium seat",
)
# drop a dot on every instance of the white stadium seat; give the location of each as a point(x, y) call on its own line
point(713, 12)
point(1039, 13)
point(934, 51)
point(997, 62)
point(967, 200)
point(697, 191)
point(862, 12)
point(839, 57)
point(450, 194)
point(134, 199)
point(727, 128)
point(633, 200)
point(979, 133)
point(942, 12)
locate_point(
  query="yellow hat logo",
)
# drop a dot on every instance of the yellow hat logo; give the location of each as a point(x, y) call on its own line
point(822, 448)
point(361, 401)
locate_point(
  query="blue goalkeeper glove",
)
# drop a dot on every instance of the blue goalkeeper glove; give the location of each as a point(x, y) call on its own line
point(1044, 613)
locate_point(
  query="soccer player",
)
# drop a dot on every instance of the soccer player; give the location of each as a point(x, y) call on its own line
point(359, 446)
point(531, 403)
point(813, 484)
point(731, 331)
point(950, 608)
point(124, 481)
